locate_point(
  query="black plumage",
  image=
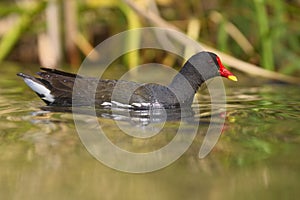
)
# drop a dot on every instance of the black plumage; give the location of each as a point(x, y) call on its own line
point(56, 87)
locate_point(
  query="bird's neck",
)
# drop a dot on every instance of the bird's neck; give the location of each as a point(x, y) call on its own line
point(186, 83)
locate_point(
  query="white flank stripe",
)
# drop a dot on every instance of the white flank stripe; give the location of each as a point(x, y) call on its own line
point(136, 104)
point(40, 89)
point(121, 105)
point(133, 105)
point(145, 105)
point(106, 104)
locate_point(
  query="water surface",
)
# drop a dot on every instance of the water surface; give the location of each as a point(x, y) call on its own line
point(256, 157)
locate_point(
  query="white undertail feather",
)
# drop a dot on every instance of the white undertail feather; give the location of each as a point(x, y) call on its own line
point(40, 89)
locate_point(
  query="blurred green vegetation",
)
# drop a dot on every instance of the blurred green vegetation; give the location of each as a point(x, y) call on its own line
point(262, 32)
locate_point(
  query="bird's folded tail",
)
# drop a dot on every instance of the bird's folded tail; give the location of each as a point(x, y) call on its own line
point(41, 87)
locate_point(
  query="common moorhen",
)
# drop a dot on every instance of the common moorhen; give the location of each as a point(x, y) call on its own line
point(55, 87)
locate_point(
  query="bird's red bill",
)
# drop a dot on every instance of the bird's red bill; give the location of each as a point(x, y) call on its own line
point(225, 72)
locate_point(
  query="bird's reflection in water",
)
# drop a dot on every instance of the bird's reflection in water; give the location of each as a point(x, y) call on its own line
point(142, 125)
point(134, 117)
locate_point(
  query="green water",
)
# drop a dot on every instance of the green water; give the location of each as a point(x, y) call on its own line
point(256, 157)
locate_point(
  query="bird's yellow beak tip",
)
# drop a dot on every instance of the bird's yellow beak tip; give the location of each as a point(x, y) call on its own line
point(233, 78)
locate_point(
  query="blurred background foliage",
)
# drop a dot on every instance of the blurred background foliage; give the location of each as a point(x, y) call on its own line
point(54, 32)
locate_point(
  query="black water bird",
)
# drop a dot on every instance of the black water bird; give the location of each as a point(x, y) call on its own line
point(55, 87)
